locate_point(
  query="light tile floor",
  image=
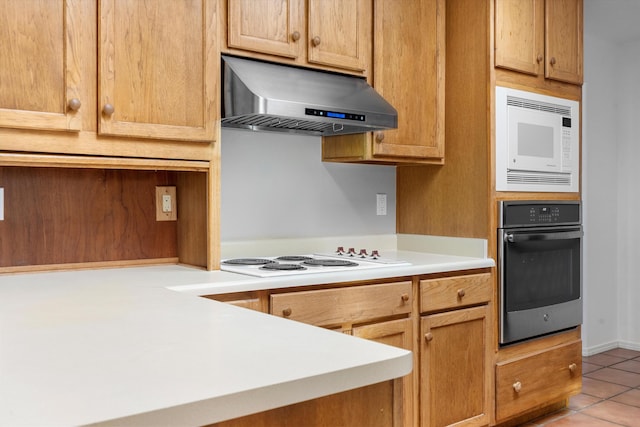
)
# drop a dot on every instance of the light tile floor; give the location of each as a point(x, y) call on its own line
point(610, 393)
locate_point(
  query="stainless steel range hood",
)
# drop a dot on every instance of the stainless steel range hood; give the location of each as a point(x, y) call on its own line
point(264, 96)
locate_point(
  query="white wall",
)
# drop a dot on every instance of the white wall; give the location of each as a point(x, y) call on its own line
point(600, 181)
point(628, 123)
point(274, 185)
point(611, 192)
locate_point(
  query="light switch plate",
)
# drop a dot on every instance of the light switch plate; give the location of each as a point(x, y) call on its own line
point(166, 206)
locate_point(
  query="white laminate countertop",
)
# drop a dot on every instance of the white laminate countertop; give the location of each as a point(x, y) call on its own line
point(136, 346)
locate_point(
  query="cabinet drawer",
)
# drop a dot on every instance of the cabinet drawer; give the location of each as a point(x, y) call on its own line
point(536, 380)
point(454, 292)
point(345, 305)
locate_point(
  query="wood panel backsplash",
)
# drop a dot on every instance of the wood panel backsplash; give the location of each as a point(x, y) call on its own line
point(61, 215)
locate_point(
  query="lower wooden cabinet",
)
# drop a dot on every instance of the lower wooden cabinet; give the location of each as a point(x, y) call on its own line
point(455, 371)
point(379, 312)
point(369, 406)
point(458, 379)
point(398, 333)
point(536, 380)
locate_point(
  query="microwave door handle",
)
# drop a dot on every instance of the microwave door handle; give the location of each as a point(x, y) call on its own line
point(564, 235)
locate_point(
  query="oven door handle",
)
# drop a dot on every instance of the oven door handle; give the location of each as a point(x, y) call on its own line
point(525, 237)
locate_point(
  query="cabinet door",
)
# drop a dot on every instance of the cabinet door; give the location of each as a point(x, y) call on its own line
point(274, 27)
point(158, 69)
point(339, 33)
point(564, 45)
point(519, 37)
point(39, 65)
point(397, 333)
point(409, 36)
point(454, 371)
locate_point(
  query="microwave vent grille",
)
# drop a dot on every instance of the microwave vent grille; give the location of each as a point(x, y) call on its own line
point(539, 106)
point(524, 178)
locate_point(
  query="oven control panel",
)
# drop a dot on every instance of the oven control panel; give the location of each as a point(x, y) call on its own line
point(539, 213)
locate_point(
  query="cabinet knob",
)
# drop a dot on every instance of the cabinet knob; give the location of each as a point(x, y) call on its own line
point(573, 368)
point(379, 136)
point(405, 297)
point(517, 386)
point(428, 337)
point(316, 41)
point(108, 109)
point(552, 61)
point(539, 58)
point(295, 36)
point(461, 293)
point(286, 312)
point(74, 104)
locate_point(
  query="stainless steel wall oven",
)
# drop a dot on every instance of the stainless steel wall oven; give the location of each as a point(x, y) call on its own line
point(539, 266)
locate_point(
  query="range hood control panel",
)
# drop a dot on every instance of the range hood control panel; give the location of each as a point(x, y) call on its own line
point(334, 114)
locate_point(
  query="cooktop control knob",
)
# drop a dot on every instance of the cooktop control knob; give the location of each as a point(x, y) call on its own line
point(375, 254)
point(340, 250)
point(363, 253)
point(351, 252)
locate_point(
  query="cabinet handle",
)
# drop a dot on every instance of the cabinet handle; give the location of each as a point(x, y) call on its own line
point(316, 41)
point(539, 58)
point(461, 293)
point(552, 61)
point(108, 109)
point(573, 368)
point(405, 297)
point(517, 386)
point(428, 336)
point(295, 36)
point(379, 136)
point(286, 312)
point(74, 104)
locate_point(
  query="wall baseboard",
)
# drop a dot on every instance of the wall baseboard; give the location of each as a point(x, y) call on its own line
point(590, 351)
point(628, 345)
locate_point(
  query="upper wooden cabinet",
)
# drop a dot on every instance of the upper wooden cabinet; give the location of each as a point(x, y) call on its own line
point(408, 71)
point(332, 34)
point(270, 27)
point(157, 74)
point(540, 37)
point(564, 40)
point(157, 65)
point(39, 65)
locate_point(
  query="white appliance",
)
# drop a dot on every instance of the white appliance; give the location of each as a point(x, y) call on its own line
point(308, 263)
point(537, 142)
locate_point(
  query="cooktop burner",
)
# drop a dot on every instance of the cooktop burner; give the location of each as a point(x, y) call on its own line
point(248, 261)
point(323, 262)
point(277, 266)
point(294, 258)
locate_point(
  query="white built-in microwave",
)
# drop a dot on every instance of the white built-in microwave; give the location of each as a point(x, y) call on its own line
point(537, 142)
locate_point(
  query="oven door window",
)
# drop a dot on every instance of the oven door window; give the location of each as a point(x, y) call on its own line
point(541, 269)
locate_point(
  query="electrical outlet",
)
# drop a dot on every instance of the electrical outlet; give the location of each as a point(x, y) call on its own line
point(166, 206)
point(381, 204)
